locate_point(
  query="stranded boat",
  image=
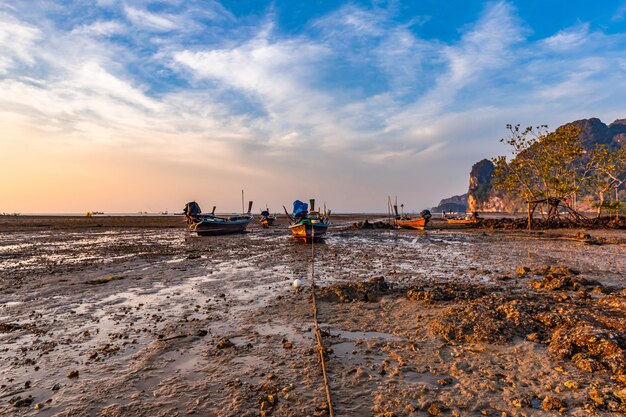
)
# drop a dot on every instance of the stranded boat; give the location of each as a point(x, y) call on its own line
point(267, 219)
point(469, 219)
point(211, 225)
point(407, 222)
point(307, 225)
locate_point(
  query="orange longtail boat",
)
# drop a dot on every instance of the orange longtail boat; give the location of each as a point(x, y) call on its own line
point(406, 222)
point(419, 224)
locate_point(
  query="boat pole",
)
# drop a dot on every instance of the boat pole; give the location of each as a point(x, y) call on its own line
point(318, 334)
point(242, 206)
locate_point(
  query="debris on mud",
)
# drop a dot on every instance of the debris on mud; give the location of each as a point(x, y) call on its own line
point(224, 343)
point(366, 224)
point(371, 290)
point(105, 280)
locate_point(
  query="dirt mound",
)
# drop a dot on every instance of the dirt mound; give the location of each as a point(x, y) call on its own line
point(371, 290)
point(562, 278)
point(489, 319)
point(590, 332)
point(589, 347)
point(446, 292)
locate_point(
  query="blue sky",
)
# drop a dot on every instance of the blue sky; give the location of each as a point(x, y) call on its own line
point(345, 101)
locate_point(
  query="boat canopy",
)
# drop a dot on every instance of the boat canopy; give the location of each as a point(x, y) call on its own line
point(299, 207)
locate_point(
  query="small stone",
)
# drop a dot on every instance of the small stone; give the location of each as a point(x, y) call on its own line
point(571, 384)
point(552, 403)
point(533, 337)
point(39, 406)
point(224, 343)
point(522, 271)
point(73, 374)
point(444, 381)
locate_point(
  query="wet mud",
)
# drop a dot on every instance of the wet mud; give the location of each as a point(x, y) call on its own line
point(151, 321)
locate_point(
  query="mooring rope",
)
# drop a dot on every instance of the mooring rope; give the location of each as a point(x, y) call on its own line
point(318, 333)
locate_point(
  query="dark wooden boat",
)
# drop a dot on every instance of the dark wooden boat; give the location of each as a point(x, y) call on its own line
point(212, 225)
point(311, 225)
point(267, 219)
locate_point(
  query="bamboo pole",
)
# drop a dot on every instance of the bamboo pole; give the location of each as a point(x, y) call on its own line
point(318, 333)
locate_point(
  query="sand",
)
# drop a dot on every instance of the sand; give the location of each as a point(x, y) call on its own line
point(135, 317)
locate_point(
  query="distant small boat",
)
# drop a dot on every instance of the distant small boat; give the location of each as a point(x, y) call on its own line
point(405, 222)
point(467, 220)
point(307, 225)
point(267, 219)
point(462, 221)
point(212, 225)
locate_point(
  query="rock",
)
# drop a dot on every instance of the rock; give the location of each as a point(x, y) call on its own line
point(552, 403)
point(39, 406)
point(522, 271)
point(444, 381)
point(571, 384)
point(202, 333)
point(224, 343)
point(22, 402)
point(73, 374)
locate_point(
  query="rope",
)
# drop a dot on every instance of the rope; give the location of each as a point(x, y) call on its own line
point(318, 333)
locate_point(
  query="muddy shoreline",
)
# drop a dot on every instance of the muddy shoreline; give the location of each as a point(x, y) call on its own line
point(456, 322)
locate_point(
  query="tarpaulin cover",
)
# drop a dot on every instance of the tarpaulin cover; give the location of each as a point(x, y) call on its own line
point(299, 207)
point(192, 209)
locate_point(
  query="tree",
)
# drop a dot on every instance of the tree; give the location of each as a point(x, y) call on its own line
point(543, 165)
point(602, 175)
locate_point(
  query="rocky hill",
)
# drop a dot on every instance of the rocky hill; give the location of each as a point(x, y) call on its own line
point(483, 197)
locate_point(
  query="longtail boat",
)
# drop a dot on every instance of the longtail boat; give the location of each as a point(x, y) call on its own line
point(267, 219)
point(406, 222)
point(462, 221)
point(467, 220)
point(208, 224)
point(307, 224)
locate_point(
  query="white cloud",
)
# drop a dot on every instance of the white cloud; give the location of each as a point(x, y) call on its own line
point(143, 18)
point(16, 42)
point(568, 39)
point(101, 28)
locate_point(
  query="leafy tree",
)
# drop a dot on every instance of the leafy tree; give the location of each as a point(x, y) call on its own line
point(603, 173)
point(542, 167)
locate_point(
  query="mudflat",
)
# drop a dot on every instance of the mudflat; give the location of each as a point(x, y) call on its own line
point(133, 316)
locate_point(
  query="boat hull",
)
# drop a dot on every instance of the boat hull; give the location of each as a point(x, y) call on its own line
point(417, 224)
point(220, 227)
point(308, 231)
point(270, 220)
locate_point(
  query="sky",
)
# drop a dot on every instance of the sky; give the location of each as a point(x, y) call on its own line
point(127, 106)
